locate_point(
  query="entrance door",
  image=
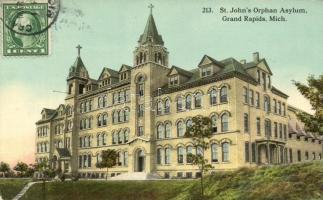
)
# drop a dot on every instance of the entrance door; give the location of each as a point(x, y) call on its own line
point(141, 161)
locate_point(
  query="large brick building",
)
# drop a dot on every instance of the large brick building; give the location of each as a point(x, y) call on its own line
point(142, 111)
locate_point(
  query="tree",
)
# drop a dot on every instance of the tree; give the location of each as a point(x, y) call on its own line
point(314, 93)
point(21, 168)
point(200, 132)
point(4, 168)
point(109, 159)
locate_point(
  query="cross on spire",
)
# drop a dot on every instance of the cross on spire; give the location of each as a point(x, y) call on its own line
point(79, 50)
point(151, 6)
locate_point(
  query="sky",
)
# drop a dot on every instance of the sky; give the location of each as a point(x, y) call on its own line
point(109, 30)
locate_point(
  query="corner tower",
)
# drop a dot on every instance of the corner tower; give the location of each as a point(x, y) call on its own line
point(150, 45)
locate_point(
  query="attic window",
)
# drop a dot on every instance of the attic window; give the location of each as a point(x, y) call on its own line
point(123, 76)
point(206, 71)
point(173, 80)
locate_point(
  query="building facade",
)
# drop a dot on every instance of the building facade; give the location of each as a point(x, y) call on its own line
point(142, 112)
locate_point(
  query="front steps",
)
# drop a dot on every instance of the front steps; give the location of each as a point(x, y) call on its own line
point(136, 176)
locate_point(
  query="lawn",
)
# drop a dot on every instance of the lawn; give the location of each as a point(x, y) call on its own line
point(290, 182)
point(113, 190)
point(9, 188)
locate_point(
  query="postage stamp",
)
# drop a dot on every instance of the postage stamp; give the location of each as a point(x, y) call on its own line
point(22, 35)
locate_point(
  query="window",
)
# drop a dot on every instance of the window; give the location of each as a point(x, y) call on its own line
point(179, 104)
point(299, 156)
point(104, 101)
point(258, 126)
point(120, 137)
point(199, 151)
point(114, 138)
point(284, 109)
point(251, 99)
point(167, 155)
point(159, 108)
point(180, 129)
point(224, 94)
point(98, 140)
point(280, 131)
point(121, 116)
point(198, 100)
point(214, 124)
point(306, 155)
point(168, 129)
point(121, 95)
point(253, 152)
point(279, 108)
point(264, 81)
point(180, 155)
point(167, 106)
point(126, 135)
point(188, 102)
point(267, 104)
point(127, 96)
point(140, 110)
point(189, 151)
point(213, 96)
point(258, 76)
point(89, 158)
point(285, 132)
point(105, 119)
point(140, 130)
point(125, 158)
point(276, 129)
point(290, 155)
point(275, 106)
point(115, 98)
point(126, 114)
point(245, 94)
point(214, 153)
point(115, 117)
point(257, 100)
point(267, 128)
point(206, 71)
point(246, 150)
point(246, 122)
point(173, 80)
point(80, 161)
point(224, 122)
point(160, 131)
point(159, 156)
point(141, 89)
point(313, 155)
point(225, 152)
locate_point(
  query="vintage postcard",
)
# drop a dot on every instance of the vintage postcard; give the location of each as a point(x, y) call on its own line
point(160, 100)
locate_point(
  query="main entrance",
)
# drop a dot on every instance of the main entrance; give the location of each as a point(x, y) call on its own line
point(140, 161)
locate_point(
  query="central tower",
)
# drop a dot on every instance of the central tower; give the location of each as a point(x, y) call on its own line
point(150, 45)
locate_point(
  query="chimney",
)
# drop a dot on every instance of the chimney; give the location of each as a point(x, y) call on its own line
point(243, 61)
point(256, 57)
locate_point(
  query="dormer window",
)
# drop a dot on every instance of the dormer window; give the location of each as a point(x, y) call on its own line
point(206, 71)
point(173, 80)
point(123, 76)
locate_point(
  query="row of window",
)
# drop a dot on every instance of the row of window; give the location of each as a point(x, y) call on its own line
point(59, 129)
point(117, 137)
point(42, 131)
point(42, 147)
point(86, 160)
point(164, 154)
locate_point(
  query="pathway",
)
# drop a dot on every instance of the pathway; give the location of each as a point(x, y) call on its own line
point(23, 191)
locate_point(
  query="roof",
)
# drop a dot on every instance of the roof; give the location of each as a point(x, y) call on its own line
point(48, 111)
point(212, 60)
point(112, 72)
point(63, 152)
point(278, 92)
point(150, 33)
point(77, 68)
point(181, 71)
point(127, 67)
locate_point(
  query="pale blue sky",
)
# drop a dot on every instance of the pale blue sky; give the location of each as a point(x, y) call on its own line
point(109, 30)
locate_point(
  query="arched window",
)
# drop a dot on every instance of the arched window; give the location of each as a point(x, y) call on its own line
point(121, 137)
point(87, 106)
point(224, 94)
point(213, 96)
point(119, 159)
point(104, 139)
point(90, 122)
point(115, 117)
point(168, 130)
point(179, 104)
point(114, 138)
point(98, 158)
point(246, 122)
point(225, 152)
point(199, 151)
point(125, 158)
point(126, 135)
point(98, 140)
point(89, 141)
point(214, 153)
point(189, 151)
point(99, 120)
point(180, 129)
point(105, 119)
point(160, 131)
point(167, 106)
point(80, 161)
point(189, 123)
point(188, 102)
point(167, 155)
point(159, 156)
point(224, 122)
point(86, 141)
point(141, 86)
point(100, 102)
point(198, 100)
point(104, 101)
point(121, 116)
point(81, 142)
point(126, 114)
point(180, 155)
point(266, 104)
point(89, 159)
point(159, 108)
point(214, 124)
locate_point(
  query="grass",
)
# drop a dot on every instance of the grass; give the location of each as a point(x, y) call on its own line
point(9, 188)
point(293, 182)
point(97, 190)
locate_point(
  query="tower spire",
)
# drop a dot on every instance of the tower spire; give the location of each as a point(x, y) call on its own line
point(151, 6)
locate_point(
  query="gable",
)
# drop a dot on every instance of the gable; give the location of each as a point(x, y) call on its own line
point(124, 68)
point(264, 66)
point(173, 72)
point(205, 60)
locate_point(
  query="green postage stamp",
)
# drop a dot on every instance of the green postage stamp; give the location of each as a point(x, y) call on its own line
point(25, 30)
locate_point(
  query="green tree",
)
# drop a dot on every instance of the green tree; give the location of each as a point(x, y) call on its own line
point(4, 168)
point(109, 159)
point(21, 168)
point(313, 91)
point(200, 131)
